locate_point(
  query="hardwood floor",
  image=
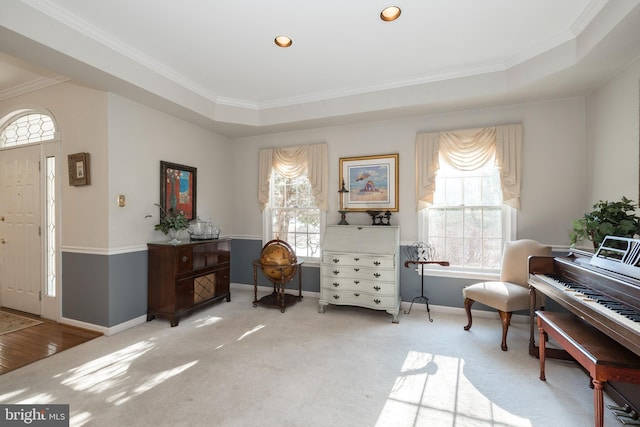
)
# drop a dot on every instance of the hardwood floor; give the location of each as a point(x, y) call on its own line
point(27, 345)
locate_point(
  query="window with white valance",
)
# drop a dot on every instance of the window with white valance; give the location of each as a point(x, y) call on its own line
point(470, 149)
point(292, 162)
point(293, 196)
point(467, 191)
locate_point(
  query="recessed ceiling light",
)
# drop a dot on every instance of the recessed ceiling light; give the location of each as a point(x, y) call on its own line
point(283, 41)
point(390, 13)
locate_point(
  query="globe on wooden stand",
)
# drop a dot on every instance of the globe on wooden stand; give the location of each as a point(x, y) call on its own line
point(279, 264)
point(276, 254)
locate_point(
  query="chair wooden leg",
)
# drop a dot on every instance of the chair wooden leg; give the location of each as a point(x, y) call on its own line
point(467, 307)
point(505, 317)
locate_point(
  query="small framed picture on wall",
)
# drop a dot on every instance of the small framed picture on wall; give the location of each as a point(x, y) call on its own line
point(79, 170)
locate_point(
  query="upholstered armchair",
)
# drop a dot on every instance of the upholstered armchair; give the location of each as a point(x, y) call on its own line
point(511, 293)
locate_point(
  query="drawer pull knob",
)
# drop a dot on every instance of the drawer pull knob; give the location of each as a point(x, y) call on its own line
point(336, 260)
point(356, 269)
point(184, 258)
point(356, 294)
point(377, 288)
point(356, 281)
point(356, 259)
point(377, 301)
point(376, 262)
point(336, 271)
point(336, 297)
point(376, 275)
point(336, 284)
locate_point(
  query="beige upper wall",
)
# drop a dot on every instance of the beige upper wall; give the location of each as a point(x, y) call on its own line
point(126, 142)
point(613, 113)
point(139, 138)
point(552, 183)
point(81, 116)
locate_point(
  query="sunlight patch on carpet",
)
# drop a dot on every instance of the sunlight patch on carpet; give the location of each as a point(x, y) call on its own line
point(206, 321)
point(101, 374)
point(10, 322)
point(254, 330)
point(433, 390)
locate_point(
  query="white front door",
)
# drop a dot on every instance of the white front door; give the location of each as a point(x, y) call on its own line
point(20, 232)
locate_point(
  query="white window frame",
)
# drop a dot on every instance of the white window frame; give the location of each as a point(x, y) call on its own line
point(267, 227)
point(509, 230)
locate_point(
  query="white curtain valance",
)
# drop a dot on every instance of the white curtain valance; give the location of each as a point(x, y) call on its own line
point(291, 162)
point(470, 149)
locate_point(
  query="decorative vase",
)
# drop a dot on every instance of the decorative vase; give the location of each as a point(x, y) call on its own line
point(173, 236)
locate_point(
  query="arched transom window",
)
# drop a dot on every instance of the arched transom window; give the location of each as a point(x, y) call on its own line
point(25, 127)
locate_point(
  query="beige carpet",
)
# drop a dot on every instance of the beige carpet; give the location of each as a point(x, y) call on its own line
point(10, 322)
point(236, 365)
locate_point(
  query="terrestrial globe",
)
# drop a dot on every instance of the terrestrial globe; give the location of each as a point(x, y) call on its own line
point(278, 253)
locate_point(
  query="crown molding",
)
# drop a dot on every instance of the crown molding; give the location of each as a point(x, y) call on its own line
point(82, 27)
point(587, 15)
point(32, 86)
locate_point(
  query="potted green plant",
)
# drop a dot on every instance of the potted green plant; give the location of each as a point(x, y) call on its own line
point(606, 219)
point(172, 223)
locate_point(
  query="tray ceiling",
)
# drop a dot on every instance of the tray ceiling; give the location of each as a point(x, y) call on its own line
point(216, 63)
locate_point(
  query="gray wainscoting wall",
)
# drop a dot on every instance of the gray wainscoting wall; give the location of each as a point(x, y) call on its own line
point(104, 290)
point(244, 251)
point(107, 290)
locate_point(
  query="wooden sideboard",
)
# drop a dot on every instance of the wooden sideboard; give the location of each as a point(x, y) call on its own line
point(186, 276)
point(360, 267)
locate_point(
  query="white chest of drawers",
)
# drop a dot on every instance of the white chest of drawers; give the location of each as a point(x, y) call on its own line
point(360, 267)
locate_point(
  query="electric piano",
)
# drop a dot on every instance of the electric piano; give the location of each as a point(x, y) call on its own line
point(603, 289)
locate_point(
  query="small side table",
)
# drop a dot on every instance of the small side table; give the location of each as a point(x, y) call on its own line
point(278, 298)
point(422, 297)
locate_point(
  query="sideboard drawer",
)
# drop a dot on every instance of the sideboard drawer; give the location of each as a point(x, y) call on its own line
point(356, 285)
point(359, 273)
point(340, 259)
point(184, 258)
point(362, 299)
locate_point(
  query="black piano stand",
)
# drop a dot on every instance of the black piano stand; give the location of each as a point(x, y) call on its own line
point(422, 297)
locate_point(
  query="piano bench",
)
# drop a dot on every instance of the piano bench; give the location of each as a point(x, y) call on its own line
point(602, 357)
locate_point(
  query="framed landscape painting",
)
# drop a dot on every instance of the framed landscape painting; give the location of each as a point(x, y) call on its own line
point(372, 182)
point(177, 189)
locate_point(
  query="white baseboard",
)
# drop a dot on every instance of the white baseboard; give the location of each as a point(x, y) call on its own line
point(102, 329)
point(459, 311)
point(83, 325)
point(404, 305)
point(126, 325)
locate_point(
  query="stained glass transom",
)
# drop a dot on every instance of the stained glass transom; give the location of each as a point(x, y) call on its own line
point(29, 128)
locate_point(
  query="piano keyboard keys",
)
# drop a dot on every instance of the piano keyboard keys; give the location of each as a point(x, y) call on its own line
point(603, 304)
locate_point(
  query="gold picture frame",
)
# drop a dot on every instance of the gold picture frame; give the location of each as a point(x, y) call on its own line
point(371, 181)
point(79, 169)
